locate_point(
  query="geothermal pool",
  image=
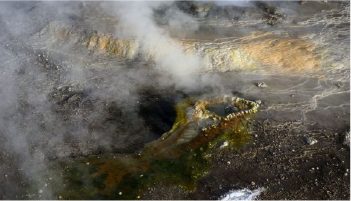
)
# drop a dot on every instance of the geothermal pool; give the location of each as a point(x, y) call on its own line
point(175, 100)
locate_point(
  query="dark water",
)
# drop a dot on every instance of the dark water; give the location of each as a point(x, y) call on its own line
point(223, 109)
point(157, 109)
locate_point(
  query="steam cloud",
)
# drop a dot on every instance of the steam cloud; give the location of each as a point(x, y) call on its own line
point(242, 3)
point(61, 100)
point(169, 56)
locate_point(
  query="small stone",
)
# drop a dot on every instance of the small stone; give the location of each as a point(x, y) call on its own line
point(141, 175)
point(253, 183)
point(339, 84)
point(228, 162)
point(60, 197)
point(261, 85)
point(310, 140)
point(138, 197)
point(40, 191)
point(120, 193)
point(346, 141)
point(87, 163)
point(225, 144)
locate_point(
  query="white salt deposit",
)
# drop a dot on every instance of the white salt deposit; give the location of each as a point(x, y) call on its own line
point(242, 194)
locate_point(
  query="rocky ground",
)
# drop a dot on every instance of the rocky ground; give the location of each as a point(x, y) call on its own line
point(295, 155)
point(282, 160)
point(71, 89)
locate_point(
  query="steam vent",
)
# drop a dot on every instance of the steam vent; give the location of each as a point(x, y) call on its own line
point(175, 100)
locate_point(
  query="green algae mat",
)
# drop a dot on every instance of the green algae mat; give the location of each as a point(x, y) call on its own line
point(179, 157)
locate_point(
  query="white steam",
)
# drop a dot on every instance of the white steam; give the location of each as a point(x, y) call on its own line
point(155, 42)
point(239, 3)
point(56, 101)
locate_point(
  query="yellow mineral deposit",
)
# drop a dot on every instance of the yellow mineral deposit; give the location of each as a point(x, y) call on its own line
point(259, 50)
point(265, 51)
point(126, 49)
point(291, 54)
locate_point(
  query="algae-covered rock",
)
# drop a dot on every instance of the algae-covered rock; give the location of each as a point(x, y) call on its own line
point(179, 157)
